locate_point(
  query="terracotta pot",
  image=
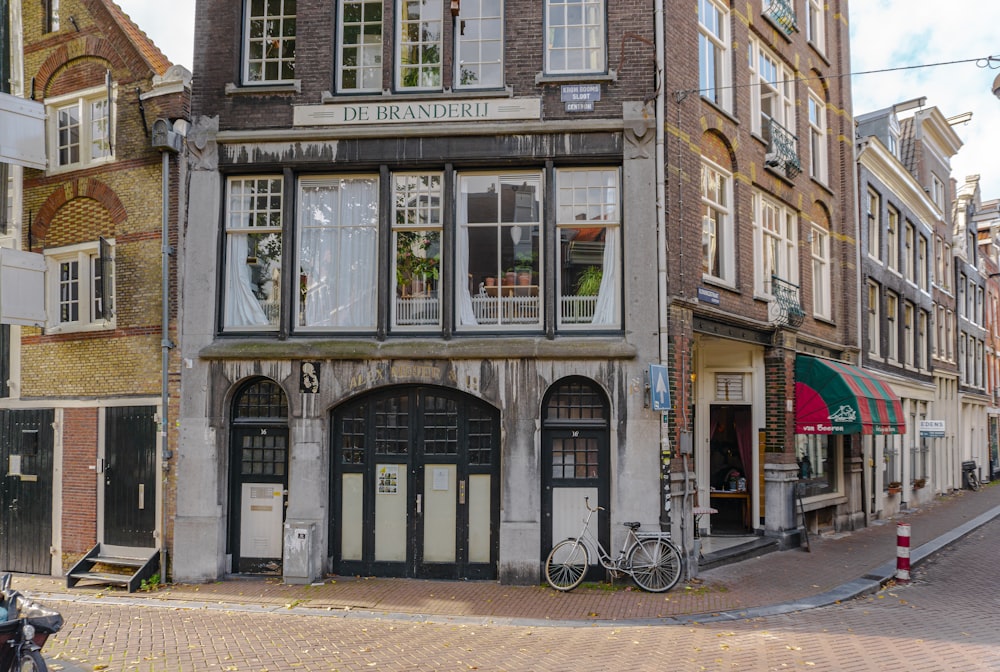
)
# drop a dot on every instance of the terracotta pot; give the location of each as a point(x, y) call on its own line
point(510, 278)
point(524, 278)
point(491, 282)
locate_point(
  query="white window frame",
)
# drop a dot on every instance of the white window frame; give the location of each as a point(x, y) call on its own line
point(270, 50)
point(937, 191)
point(816, 25)
point(584, 42)
point(922, 262)
point(921, 344)
point(478, 38)
point(892, 326)
point(821, 280)
point(51, 15)
point(892, 239)
point(429, 27)
point(367, 66)
point(717, 222)
point(775, 243)
point(715, 73)
point(86, 256)
point(594, 193)
point(92, 149)
point(340, 215)
point(908, 260)
point(770, 78)
point(949, 335)
point(818, 163)
point(874, 320)
point(502, 306)
point(417, 238)
point(250, 213)
point(874, 217)
point(909, 333)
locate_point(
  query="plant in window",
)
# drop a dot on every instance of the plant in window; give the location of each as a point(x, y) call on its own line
point(414, 264)
point(589, 282)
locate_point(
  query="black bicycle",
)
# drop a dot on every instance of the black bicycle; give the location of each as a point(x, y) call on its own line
point(25, 627)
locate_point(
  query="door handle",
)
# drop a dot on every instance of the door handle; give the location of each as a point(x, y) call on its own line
point(420, 501)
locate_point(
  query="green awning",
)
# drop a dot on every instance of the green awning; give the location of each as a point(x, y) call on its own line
point(836, 398)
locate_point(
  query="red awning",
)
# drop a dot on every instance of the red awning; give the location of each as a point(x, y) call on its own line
point(836, 398)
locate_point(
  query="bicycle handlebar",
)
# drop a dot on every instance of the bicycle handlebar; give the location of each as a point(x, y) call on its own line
point(586, 502)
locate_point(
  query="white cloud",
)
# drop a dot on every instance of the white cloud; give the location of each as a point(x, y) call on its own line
point(902, 33)
point(169, 24)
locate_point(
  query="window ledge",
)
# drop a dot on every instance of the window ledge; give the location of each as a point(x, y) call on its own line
point(61, 330)
point(359, 348)
point(294, 86)
point(609, 76)
point(446, 94)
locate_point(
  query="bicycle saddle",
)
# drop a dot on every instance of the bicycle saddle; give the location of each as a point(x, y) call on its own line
point(632, 526)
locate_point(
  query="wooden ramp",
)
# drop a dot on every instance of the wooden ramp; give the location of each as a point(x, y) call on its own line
point(115, 566)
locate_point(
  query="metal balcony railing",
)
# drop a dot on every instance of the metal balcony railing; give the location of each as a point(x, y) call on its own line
point(786, 307)
point(782, 12)
point(782, 150)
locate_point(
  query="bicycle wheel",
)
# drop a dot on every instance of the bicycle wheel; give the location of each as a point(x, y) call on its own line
point(655, 564)
point(567, 564)
point(30, 661)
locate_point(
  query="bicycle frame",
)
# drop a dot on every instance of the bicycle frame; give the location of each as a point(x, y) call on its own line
point(632, 538)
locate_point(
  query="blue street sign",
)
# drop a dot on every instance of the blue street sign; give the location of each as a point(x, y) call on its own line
point(659, 387)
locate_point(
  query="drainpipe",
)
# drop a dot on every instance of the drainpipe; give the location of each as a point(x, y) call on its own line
point(168, 142)
point(661, 254)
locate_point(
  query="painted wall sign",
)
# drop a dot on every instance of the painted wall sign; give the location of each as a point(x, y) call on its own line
point(415, 111)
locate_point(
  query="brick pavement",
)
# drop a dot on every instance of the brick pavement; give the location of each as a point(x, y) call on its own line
point(770, 581)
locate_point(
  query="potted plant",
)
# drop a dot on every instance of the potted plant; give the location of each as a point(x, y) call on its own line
point(895, 487)
point(589, 282)
point(524, 266)
point(919, 483)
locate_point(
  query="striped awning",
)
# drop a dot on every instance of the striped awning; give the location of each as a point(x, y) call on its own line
point(836, 398)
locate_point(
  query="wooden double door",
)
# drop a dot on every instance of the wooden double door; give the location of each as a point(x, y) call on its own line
point(415, 485)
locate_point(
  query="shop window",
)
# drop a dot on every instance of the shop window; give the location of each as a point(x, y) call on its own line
point(818, 459)
point(252, 263)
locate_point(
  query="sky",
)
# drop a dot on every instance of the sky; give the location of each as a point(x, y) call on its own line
point(885, 34)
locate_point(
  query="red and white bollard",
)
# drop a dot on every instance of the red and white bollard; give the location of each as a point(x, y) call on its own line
point(903, 553)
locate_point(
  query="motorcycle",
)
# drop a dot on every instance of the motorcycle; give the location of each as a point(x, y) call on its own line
point(24, 627)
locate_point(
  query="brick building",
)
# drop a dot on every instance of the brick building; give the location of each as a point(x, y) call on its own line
point(81, 414)
point(420, 286)
point(762, 282)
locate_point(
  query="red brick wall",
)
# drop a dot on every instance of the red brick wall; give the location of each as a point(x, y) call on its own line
point(79, 484)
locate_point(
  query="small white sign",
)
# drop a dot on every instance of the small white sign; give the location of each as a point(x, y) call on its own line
point(440, 478)
point(932, 428)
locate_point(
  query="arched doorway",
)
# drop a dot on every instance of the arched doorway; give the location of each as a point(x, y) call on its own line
point(576, 460)
point(415, 485)
point(258, 477)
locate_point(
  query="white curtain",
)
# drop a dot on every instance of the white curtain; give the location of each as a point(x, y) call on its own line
point(466, 315)
point(606, 310)
point(242, 307)
point(338, 252)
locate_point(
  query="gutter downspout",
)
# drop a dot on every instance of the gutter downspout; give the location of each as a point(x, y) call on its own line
point(661, 255)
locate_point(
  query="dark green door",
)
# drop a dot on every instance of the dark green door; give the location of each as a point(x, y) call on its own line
point(26, 456)
point(130, 476)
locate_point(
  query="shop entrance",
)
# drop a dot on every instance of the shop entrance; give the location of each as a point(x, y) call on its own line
point(731, 468)
point(415, 485)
